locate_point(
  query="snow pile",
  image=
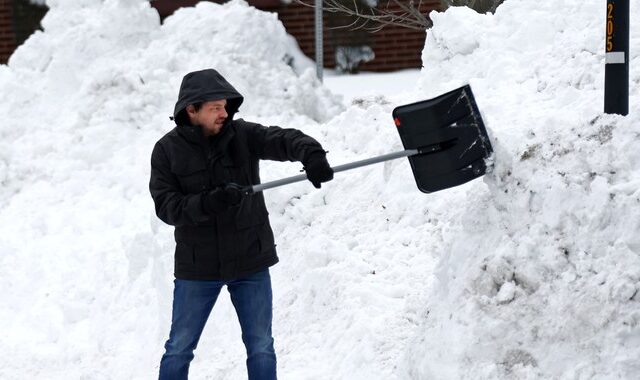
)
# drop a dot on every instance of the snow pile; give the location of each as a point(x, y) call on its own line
point(540, 274)
point(531, 272)
point(86, 282)
point(116, 38)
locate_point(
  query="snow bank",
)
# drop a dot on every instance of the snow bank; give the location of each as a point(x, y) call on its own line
point(540, 274)
point(86, 266)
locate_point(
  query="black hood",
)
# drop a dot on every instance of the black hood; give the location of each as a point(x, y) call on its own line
point(202, 86)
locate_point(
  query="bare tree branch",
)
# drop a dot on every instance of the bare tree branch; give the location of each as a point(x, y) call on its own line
point(409, 17)
point(403, 13)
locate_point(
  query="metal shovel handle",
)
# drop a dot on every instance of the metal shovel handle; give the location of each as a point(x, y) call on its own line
point(336, 169)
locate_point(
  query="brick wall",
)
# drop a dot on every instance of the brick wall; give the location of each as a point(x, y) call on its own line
point(397, 47)
point(394, 47)
point(7, 37)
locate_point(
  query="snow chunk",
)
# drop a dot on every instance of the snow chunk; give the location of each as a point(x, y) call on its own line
point(507, 292)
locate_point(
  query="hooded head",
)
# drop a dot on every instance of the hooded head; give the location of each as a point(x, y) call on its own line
point(203, 86)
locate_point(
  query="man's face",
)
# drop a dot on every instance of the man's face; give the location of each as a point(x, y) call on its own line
point(210, 116)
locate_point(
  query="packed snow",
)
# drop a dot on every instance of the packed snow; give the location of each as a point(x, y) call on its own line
point(532, 272)
point(539, 277)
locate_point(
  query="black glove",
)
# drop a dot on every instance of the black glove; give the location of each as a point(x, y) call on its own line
point(222, 198)
point(318, 169)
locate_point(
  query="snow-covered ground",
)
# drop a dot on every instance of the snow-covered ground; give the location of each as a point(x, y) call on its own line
point(532, 272)
point(364, 85)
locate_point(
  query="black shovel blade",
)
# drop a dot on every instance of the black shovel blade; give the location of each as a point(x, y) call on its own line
point(450, 135)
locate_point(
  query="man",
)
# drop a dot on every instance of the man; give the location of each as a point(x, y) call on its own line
point(223, 236)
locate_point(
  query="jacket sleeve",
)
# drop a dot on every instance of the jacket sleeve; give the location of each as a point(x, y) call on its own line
point(172, 206)
point(280, 144)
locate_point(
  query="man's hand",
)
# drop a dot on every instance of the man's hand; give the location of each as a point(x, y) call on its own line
point(318, 169)
point(222, 198)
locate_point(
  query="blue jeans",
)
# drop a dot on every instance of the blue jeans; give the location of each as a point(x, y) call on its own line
point(192, 304)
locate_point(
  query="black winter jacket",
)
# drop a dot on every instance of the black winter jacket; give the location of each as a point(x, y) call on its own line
point(185, 165)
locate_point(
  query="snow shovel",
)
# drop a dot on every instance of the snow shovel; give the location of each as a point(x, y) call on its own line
point(444, 138)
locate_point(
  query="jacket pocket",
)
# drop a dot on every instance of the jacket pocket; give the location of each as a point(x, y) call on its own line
point(192, 176)
point(257, 247)
point(198, 259)
point(248, 226)
point(254, 239)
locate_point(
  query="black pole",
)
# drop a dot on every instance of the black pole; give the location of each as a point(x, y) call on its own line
point(616, 72)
